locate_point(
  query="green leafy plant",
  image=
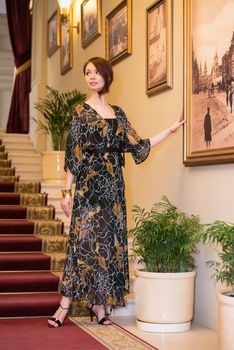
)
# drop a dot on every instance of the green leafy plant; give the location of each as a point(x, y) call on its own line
point(56, 108)
point(222, 234)
point(164, 239)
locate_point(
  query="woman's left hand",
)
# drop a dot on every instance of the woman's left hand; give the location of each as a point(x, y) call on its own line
point(180, 121)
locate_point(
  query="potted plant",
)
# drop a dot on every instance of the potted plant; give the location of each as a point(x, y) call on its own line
point(164, 240)
point(222, 233)
point(56, 108)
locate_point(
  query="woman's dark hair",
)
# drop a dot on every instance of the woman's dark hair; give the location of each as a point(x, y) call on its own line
point(104, 68)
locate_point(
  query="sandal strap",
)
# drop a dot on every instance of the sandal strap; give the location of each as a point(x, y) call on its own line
point(64, 308)
point(58, 323)
point(102, 320)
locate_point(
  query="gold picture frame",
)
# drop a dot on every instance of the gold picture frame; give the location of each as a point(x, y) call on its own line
point(53, 33)
point(66, 52)
point(208, 82)
point(90, 21)
point(119, 32)
point(159, 46)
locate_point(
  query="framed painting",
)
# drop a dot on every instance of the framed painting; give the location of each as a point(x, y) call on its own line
point(209, 82)
point(90, 21)
point(159, 46)
point(53, 33)
point(119, 32)
point(66, 44)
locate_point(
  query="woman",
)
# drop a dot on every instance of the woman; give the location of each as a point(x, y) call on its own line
point(96, 268)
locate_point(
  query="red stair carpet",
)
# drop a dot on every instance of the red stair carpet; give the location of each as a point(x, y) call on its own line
point(29, 272)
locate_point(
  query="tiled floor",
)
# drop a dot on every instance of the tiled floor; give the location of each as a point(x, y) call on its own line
point(198, 338)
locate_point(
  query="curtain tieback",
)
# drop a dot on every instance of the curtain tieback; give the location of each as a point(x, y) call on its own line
point(24, 66)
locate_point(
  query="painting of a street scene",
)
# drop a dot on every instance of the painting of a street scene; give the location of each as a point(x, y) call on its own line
point(212, 76)
point(159, 46)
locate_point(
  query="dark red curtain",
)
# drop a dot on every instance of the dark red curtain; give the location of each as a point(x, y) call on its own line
point(19, 23)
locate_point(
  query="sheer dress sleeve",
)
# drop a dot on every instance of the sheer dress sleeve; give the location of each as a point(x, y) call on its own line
point(74, 150)
point(139, 148)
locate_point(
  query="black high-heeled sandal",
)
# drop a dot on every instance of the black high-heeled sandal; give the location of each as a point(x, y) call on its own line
point(93, 313)
point(56, 320)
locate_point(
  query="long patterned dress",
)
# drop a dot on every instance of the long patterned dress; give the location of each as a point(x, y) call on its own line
point(96, 268)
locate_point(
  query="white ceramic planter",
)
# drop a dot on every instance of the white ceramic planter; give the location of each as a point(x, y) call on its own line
point(226, 321)
point(53, 167)
point(164, 301)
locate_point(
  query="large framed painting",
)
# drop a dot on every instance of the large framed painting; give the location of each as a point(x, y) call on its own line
point(209, 82)
point(53, 33)
point(90, 21)
point(66, 44)
point(119, 32)
point(159, 46)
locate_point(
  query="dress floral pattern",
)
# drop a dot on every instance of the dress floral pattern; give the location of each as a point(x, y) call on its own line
point(96, 268)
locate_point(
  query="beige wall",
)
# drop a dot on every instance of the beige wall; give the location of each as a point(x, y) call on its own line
point(207, 191)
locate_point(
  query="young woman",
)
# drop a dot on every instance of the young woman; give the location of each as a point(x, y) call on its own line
point(96, 268)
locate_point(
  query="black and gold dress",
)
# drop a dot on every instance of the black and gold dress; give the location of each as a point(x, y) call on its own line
point(96, 266)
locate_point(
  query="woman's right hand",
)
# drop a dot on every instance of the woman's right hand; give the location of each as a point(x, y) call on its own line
point(66, 205)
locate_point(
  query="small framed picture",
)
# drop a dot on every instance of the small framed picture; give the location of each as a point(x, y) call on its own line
point(119, 32)
point(208, 82)
point(90, 21)
point(159, 46)
point(66, 44)
point(53, 33)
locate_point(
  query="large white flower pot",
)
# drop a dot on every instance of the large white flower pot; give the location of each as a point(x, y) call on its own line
point(164, 301)
point(226, 320)
point(53, 167)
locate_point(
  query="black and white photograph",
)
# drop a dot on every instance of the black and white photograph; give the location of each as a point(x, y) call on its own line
point(209, 85)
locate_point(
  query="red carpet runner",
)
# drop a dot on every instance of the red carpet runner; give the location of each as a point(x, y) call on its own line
point(31, 250)
point(35, 335)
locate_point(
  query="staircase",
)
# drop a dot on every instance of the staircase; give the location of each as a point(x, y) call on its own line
point(32, 241)
point(24, 158)
point(32, 244)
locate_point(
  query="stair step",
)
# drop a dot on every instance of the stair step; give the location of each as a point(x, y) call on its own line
point(28, 282)
point(20, 243)
point(26, 179)
point(28, 171)
point(51, 244)
point(27, 158)
point(25, 227)
point(57, 261)
point(20, 151)
point(12, 198)
point(9, 139)
point(16, 227)
point(30, 212)
point(24, 261)
point(7, 171)
point(29, 304)
point(3, 155)
point(5, 163)
point(29, 187)
point(12, 136)
point(22, 146)
point(24, 169)
point(30, 160)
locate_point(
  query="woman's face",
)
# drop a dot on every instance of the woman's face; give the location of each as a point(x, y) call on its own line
point(93, 78)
